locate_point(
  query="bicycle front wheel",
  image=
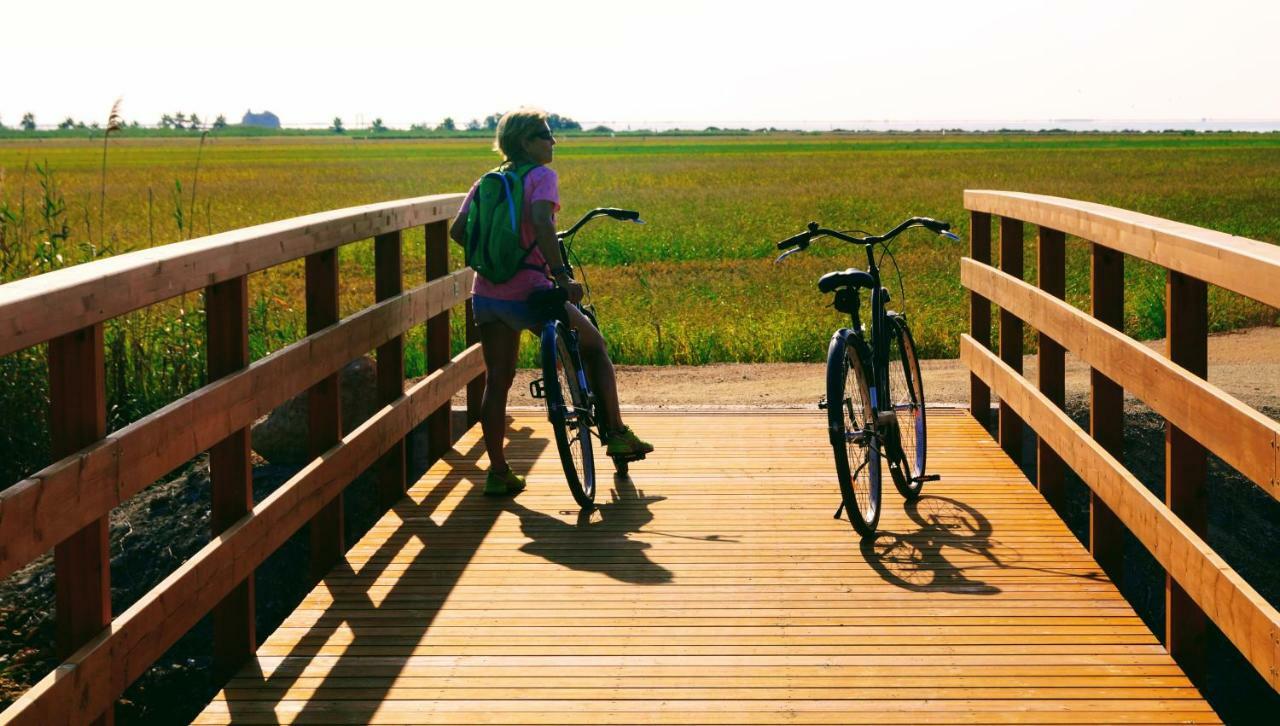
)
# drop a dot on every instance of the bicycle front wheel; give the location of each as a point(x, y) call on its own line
point(906, 393)
point(851, 422)
point(568, 408)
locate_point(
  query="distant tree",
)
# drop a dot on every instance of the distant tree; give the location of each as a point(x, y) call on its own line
point(491, 121)
point(134, 124)
point(601, 130)
point(67, 123)
point(180, 120)
point(219, 123)
point(378, 126)
point(447, 124)
point(419, 127)
point(337, 126)
point(473, 125)
point(166, 121)
point(195, 121)
point(2, 126)
point(562, 123)
point(28, 121)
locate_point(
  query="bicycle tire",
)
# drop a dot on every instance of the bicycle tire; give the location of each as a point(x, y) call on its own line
point(851, 423)
point(570, 415)
point(906, 394)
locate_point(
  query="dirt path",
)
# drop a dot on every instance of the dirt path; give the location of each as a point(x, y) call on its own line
point(1246, 364)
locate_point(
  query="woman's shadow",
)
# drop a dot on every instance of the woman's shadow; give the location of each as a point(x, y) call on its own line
point(600, 540)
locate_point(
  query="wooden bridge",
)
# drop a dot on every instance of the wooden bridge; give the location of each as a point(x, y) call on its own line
point(710, 586)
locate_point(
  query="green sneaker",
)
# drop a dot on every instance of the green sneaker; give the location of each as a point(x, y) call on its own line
point(501, 485)
point(624, 442)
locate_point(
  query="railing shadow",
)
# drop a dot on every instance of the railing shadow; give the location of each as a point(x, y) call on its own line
point(600, 540)
point(918, 560)
point(254, 696)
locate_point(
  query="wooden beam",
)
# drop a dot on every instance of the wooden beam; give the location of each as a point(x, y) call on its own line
point(230, 470)
point(980, 314)
point(105, 474)
point(388, 283)
point(98, 672)
point(1236, 263)
point(45, 306)
point(1051, 267)
point(1186, 466)
point(1241, 436)
point(439, 436)
point(1106, 407)
point(475, 387)
point(1243, 615)
point(82, 565)
point(324, 409)
point(1009, 425)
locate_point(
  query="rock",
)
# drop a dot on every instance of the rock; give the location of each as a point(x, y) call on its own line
point(281, 437)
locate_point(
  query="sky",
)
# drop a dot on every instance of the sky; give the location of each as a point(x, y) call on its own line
point(655, 63)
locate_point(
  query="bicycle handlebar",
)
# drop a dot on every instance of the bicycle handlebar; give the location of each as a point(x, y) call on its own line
point(622, 215)
point(802, 240)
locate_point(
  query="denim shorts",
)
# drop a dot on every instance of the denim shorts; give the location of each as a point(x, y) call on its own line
point(515, 314)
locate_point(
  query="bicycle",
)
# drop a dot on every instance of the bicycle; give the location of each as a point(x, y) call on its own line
point(575, 417)
point(881, 414)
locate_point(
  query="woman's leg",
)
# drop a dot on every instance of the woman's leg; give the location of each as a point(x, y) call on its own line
point(595, 357)
point(500, 345)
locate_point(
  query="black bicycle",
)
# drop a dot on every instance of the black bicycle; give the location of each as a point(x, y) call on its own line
point(875, 396)
point(572, 407)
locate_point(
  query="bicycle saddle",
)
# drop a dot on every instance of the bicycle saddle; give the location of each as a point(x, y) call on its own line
point(852, 277)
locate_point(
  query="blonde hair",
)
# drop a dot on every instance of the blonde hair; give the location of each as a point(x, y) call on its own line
point(514, 128)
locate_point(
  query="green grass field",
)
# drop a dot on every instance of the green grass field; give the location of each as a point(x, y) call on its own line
point(694, 285)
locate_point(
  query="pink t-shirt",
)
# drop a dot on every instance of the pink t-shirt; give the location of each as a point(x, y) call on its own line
point(540, 185)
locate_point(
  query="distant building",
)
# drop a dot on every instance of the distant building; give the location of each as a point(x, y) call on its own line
point(266, 119)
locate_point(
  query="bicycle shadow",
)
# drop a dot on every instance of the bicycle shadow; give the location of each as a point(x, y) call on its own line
point(600, 540)
point(917, 560)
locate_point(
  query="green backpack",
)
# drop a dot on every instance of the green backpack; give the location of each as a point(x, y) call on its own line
point(493, 246)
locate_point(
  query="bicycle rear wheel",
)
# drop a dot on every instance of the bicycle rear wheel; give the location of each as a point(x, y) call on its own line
point(569, 410)
point(851, 422)
point(906, 391)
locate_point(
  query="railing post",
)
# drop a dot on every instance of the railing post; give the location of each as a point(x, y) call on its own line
point(1011, 262)
point(1106, 407)
point(1051, 266)
point(324, 409)
point(389, 282)
point(77, 418)
point(437, 263)
point(230, 470)
point(980, 314)
point(475, 387)
point(1186, 466)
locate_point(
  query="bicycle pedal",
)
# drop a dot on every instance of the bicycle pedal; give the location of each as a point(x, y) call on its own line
point(926, 477)
point(536, 389)
point(822, 403)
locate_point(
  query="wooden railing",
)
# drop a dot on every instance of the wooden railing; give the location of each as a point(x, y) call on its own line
point(1199, 416)
point(66, 505)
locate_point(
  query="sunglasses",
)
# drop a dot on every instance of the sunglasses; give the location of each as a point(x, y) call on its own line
point(544, 135)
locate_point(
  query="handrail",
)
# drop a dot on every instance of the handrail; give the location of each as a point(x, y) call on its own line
point(40, 308)
point(1239, 264)
point(65, 506)
point(1200, 586)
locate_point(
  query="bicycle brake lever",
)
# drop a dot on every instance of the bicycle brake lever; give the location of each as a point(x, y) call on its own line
point(787, 254)
point(949, 235)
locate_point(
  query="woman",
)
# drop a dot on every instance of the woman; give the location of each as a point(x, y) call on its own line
point(502, 311)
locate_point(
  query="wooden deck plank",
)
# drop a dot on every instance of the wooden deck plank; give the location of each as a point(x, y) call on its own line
point(714, 586)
